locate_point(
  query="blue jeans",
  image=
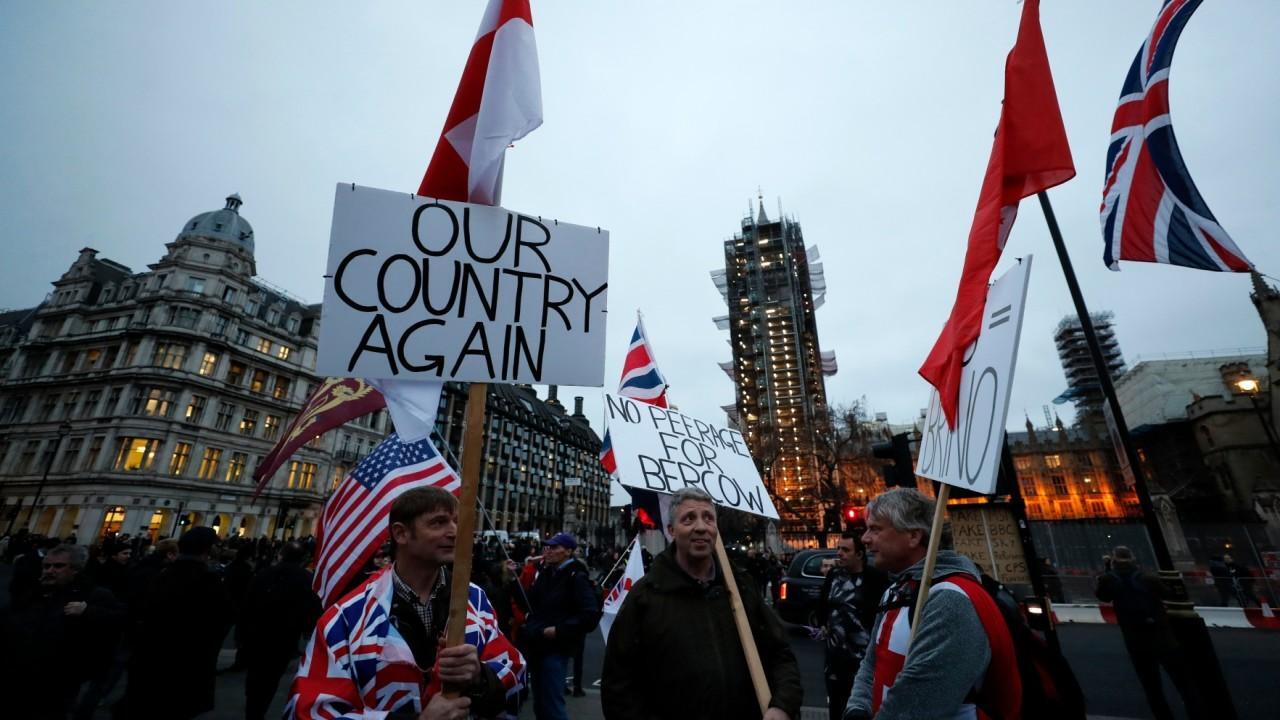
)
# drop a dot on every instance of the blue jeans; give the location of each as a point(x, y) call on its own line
point(548, 687)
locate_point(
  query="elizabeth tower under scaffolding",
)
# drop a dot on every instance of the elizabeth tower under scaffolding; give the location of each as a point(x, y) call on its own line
point(772, 284)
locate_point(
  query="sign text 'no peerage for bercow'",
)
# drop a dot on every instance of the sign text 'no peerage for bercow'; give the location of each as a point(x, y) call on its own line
point(663, 450)
point(969, 456)
point(442, 290)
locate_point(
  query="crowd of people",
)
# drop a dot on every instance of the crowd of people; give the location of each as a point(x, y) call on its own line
point(136, 629)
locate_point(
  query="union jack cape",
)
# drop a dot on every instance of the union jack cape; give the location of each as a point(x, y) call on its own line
point(1151, 209)
point(357, 665)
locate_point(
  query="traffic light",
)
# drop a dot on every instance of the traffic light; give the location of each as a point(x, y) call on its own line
point(897, 449)
point(854, 516)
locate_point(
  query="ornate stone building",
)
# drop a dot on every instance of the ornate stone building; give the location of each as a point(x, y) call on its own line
point(138, 402)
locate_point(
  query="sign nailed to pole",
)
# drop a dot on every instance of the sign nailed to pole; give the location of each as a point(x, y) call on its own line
point(969, 456)
point(663, 450)
point(442, 290)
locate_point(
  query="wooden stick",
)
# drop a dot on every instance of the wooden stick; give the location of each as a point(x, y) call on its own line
point(930, 558)
point(758, 680)
point(472, 440)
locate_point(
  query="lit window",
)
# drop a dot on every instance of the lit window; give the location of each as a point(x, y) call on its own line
point(135, 454)
point(283, 352)
point(209, 463)
point(264, 346)
point(181, 456)
point(208, 364)
point(235, 469)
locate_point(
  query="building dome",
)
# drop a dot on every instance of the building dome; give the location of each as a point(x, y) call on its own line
point(225, 225)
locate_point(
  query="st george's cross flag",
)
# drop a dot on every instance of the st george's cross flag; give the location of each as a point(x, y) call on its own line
point(1030, 154)
point(353, 523)
point(1151, 209)
point(630, 576)
point(499, 101)
point(641, 380)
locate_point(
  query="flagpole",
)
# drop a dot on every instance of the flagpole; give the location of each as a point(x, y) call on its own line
point(472, 438)
point(754, 666)
point(1188, 625)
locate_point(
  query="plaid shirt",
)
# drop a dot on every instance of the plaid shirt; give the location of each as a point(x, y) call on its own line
point(423, 609)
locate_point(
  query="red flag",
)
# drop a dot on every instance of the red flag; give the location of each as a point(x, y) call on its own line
point(335, 402)
point(1030, 154)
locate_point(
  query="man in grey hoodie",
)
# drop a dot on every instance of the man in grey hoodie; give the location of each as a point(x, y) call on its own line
point(952, 654)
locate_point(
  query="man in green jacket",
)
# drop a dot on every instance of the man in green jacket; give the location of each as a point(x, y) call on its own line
point(674, 650)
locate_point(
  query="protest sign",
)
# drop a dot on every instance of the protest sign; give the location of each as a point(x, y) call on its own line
point(969, 455)
point(988, 535)
point(441, 290)
point(663, 450)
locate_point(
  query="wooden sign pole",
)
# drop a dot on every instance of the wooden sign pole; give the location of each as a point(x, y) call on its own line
point(758, 679)
point(930, 558)
point(472, 444)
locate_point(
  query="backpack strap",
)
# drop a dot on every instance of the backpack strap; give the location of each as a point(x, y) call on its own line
point(1000, 695)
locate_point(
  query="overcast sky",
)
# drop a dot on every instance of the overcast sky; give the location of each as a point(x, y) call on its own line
point(870, 123)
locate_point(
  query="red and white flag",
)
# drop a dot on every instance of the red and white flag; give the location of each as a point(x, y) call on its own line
point(499, 101)
point(630, 576)
point(1030, 154)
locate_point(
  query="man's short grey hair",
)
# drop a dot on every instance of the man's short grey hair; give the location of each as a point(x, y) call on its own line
point(77, 555)
point(685, 494)
point(905, 509)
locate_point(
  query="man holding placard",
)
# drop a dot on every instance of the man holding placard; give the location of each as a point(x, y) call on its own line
point(961, 654)
point(674, 650)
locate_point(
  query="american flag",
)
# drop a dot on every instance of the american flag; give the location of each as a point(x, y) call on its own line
point(641, 380)
point(1151, 209)
point(354, 521)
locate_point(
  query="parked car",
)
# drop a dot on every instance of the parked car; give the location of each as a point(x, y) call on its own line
point(800, 586)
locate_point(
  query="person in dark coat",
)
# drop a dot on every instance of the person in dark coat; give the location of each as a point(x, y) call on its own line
point(847, 604)
point(279, 608)
point(112, 572)
point(56, 636)
point(563, 605)
point(185, 609)
point(1136, 597)
point(674, 651)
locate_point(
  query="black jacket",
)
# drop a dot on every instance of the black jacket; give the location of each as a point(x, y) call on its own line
point(279, 608)
point(562, 598)
point(184, 610)
point(674, 651)
point(47, 654)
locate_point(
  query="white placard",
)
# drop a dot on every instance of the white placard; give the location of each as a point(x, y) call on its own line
point(969, 456)
point(664, 450)
point(439, 290)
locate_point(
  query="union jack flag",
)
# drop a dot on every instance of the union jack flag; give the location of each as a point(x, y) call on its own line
point(358, 665)
point(353, 524)
point(641, 380)
point(1151, 210)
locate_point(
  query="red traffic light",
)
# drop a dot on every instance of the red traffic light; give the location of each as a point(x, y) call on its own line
point(854, 513)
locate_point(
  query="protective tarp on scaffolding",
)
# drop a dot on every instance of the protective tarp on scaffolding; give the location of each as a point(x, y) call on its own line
point(829, 366)
point(721, 281)
point(722, 322)
point(727, 367)
point(817, 281)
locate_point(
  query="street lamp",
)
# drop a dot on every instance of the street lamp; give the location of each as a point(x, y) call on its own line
point(63, 430)
point(1251, 387)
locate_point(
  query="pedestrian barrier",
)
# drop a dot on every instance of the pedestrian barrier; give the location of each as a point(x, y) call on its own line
point(1264, 618)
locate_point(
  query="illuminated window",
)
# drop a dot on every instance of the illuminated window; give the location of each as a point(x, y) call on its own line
point(113, 521)
point(181, 456)
point(235, 469)
point(249, 423)
point(134, 454)
point(264, 346)
point(270, 427)
point(235, 373)
point(259, 382)
point(284, 352)
point(302, 475)
point(209, 463)
point(195, 409)
point(208, 364)
point(281, 390)
point(1053, 461)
